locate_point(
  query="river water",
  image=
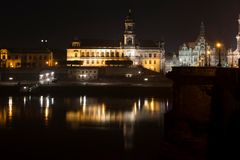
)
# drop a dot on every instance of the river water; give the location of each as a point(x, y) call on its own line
point(96, 127)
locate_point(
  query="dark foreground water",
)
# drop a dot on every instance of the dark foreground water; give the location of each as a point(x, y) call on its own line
point(91, 127)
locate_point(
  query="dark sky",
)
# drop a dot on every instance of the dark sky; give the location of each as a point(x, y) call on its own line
point(24, 23)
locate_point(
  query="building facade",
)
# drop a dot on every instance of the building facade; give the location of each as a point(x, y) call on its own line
point(131, 51)
point(83, 74)
point(234, 56)
point(198, 53)
point(12, 58)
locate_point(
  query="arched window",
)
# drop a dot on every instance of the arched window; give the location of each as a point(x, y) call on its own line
point(129, 41)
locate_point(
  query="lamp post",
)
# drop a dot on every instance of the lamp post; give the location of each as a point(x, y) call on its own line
point(219, 45)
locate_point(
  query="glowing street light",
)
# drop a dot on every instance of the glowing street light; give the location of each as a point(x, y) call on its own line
point(219, 45)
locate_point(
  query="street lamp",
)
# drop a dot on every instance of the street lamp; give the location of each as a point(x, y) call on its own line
point(219, 45)
point(209, 60)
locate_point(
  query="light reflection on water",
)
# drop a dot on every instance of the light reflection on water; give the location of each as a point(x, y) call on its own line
point(78, 112)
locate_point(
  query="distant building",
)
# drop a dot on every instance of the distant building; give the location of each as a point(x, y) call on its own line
point(13, 58)
point(131, 52)
point(198, 53)
point(83, 74)
point(171, 60)
point(234, 56)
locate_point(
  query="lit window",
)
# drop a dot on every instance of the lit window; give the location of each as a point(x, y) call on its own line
point(112, 54)
point(82, 54)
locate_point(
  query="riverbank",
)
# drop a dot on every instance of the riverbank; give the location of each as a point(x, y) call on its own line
point(109, 89)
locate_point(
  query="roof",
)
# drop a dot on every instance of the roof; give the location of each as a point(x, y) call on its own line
point(148, 44)
point(98, 43)
point(191, 44)
point(27, 51)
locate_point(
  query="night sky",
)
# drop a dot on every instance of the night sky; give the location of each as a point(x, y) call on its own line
point(24, 23)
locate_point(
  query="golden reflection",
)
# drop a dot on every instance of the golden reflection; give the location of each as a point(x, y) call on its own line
point(10, 108)
point(45, 107)
point(46, 114)
point(47, 101)
point(152, 105)
point(98, 113)
point(24, 101)
point(3, 117)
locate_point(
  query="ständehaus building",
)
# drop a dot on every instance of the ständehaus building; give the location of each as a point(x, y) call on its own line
point(130, 52)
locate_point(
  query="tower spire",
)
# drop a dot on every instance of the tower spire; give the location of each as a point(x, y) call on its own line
point(238, 36)
point(239, 24)
point(202, 30)
point(130, 12)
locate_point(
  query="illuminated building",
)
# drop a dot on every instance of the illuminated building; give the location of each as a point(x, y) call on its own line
point(234, 56)
point(130, 52)
point(46, 77)
point(196, 53)
point(83, 74)
point(12, 58)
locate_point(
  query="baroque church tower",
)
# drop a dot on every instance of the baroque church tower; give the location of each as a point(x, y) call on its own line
point(129, 32)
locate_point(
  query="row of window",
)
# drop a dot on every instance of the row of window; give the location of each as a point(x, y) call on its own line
point(25, 57)
point(94, 62)
point(150, 62)
point(87, 77)
point(87, 71)
point(150, 55)
point(107, 54)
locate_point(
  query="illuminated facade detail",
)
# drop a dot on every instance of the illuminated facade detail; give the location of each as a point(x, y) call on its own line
point(133, 52)
point(234, 56)
point(25, 58)
point(46, 77)
point(83, 74)
point(198, 53)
